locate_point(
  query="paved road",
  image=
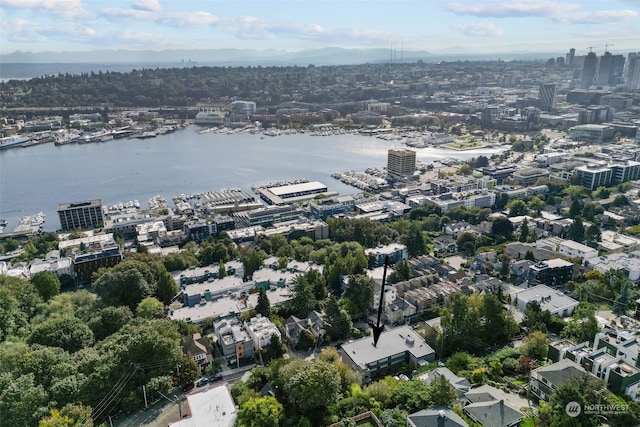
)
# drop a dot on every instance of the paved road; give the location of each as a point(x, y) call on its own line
point(169, 409)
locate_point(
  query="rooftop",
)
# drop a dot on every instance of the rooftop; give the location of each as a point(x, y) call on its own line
point(392, 342)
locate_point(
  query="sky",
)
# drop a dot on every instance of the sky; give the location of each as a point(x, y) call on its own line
point(477, 26)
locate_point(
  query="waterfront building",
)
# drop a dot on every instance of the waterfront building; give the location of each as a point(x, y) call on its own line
point(293, 193)
point(80, 215)
point(324, 208)
point(214, 117)
point(242, 110)
point(267, 216)
point(500, 172)
point(401, 163)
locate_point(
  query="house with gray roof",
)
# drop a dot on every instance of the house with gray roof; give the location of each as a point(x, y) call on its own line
point(461, 385)
point(437, 416)
point(487, 407)
point(545, 380)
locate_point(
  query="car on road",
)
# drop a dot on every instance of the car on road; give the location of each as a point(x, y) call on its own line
point(203, 382)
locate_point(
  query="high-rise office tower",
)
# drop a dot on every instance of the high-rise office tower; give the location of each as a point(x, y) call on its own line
point(547, 95)
point(588, 70)
point(632, 71)
point(401, 162)
point(604, 69)
point(617, 69)
point(570, 56)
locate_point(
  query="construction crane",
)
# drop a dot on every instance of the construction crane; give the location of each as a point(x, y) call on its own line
point(592, 47)
point(607, 45)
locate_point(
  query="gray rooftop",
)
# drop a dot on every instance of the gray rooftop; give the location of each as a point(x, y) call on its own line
point(392, 342)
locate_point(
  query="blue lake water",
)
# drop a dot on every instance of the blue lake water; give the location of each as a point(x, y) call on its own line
point(38, 178)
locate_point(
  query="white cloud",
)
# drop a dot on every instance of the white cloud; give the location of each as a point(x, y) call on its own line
point(513, 9)
point(598, 17)
point(20, 30)
point(67, 9)
point(482, 29)
point(202, 19)
point(148, 5)
point(124, 14)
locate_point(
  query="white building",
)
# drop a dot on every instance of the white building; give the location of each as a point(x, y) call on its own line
point(213, 406)
point(550, 299)
point(261, 329)
point(577, 250)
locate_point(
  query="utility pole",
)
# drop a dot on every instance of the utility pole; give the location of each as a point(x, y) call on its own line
point(144, 393)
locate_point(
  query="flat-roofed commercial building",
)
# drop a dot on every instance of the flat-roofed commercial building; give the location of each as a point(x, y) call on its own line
point(267, 216)
point(594, 176)
point(593, 133)
point(80, 215)
point(401, 162)
point(396, 347)
point(293, 193)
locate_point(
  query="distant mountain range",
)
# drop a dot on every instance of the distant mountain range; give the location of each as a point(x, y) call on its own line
point(29, 64)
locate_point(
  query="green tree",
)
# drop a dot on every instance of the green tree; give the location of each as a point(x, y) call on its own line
point(536, 204)
point(312, 387)
point(222, 271)
point(359, 294)
point(70, 415)
point(583, 390)
point(187, 371)
point(621, 304)
point(303, 299)
point(264, 305)
point(536, 346)
point(524, 231)
point(529, 256)
point(22, 402)
point(252, 262)
point(150, 308)
point(411, 396)
point(441, 391)
point(338, 320)
point(576, 230)
point(401, 271)
point(576, 208)
point(467, 243)
point(517, 207)
point(593, 235)
point(415, 242)
point(502, 227)
point(109, 320)
point(124, 284)
point(260, 412)
point(67, 332)
point(583, 325)
point(47, 284)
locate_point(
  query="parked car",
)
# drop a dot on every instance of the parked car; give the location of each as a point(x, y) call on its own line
point(188, 386)
point(203, 382)
point(215, 377)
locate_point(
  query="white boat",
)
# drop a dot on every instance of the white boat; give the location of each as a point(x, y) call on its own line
point(11, 141)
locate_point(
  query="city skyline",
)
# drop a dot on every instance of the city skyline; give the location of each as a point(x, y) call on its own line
point(296, 25)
